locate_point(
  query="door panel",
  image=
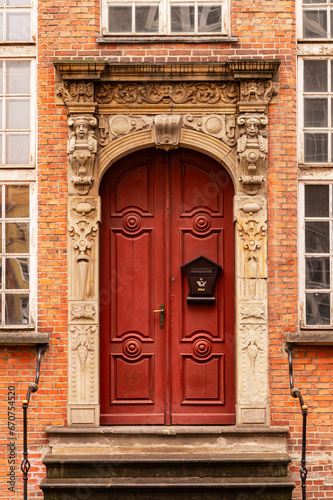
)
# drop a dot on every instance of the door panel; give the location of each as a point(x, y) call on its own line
point(132, 244)
point(161, 210)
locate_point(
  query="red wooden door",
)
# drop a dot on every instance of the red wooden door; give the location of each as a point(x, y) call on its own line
point(161, 210)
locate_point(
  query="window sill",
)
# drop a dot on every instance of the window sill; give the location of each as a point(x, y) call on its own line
point(311, 337)
point(23, 337)
point(168, 39)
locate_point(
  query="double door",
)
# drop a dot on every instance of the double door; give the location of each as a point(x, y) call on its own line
point(164, 361)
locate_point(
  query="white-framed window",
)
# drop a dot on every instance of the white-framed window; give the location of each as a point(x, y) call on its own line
point(16, 21)
point(315, 110)
point(17, 255)
point(315, 20)
point(17, 117)
point(316, 253)
point(166, 17)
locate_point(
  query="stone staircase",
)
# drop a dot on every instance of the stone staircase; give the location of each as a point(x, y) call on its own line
point(101, 467)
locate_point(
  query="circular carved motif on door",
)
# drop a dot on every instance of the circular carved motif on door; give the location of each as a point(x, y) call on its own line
point(132, 348)
point(201, 223)
point(202, 348)
point(132, 222)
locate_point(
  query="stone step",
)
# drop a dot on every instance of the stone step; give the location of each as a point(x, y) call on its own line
point(168, 488)
point(167, 465)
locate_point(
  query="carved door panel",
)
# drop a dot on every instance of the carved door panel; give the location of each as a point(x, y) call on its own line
point(160, 210)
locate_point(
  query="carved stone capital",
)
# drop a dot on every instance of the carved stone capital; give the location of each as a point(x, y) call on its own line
point(81, 149)
point(220, 126)
point(255, 95)
point(80, 91)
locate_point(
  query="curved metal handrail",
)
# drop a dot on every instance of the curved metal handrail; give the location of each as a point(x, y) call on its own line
point(33, 387)
point(296, 393)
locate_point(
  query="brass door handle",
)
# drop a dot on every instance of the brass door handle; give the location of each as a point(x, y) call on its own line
point(161, 311)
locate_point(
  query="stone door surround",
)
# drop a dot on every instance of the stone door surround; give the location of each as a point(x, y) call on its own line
point(220, 109)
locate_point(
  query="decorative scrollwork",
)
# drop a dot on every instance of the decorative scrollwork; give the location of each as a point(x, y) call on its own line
point(167, 92)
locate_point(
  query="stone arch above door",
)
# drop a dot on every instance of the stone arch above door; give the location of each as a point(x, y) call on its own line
point(220, 110)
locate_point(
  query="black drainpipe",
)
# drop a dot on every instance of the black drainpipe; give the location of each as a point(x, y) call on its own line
point(33, 387)
point(296, 393)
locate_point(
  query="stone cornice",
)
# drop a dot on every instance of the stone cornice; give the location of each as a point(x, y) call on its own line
point(234, 70)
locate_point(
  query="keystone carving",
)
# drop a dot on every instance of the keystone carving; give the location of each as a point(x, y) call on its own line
point(75, 91)
point(167, 131)
point(112, 127)
point(167, 93)
point(220, 126)
point(252, 149)
point(253, 363)
point(81, 149)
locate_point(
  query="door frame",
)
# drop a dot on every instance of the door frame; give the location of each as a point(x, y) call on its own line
point(217, 130)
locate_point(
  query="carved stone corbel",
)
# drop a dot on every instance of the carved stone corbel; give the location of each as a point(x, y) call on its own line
point(252, 149)
point(81, 149)
point(167, 131)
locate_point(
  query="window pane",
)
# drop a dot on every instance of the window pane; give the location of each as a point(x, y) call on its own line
point(17, 149)
point(209, 18)
point(18, 77)
point(1, 149)
point(120, 19)
point(314, 24)
point(317, 272)
point(314, 1)
point(316, 201)
point(17, 309)
point(17, 202)
point(1, 27)
point(17, 237)
point(17, 114)
point(182, 18)
point(20, 3)
point(318, 309)
point(315, 76)
point(1, 113)
point(315, 148)
point(146, 19)
point(315, 112)
point(317, 237)
point(1, 77)
point(17, 273)
point(18, 27)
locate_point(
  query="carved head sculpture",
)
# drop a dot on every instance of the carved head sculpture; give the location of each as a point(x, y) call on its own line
point(252, 127)
point(80, 126)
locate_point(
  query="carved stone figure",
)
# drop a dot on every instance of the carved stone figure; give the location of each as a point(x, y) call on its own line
point(81, 149)
point(252, 149)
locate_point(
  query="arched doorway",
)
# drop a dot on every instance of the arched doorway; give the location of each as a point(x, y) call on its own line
point(161, 210)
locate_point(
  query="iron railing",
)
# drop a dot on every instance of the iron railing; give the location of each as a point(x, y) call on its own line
point(33, 387)
point(296, 393)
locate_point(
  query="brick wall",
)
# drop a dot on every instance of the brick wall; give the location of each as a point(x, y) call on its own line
point(68, 29)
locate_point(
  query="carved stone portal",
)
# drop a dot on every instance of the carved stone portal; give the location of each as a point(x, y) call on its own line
point(225, 119)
